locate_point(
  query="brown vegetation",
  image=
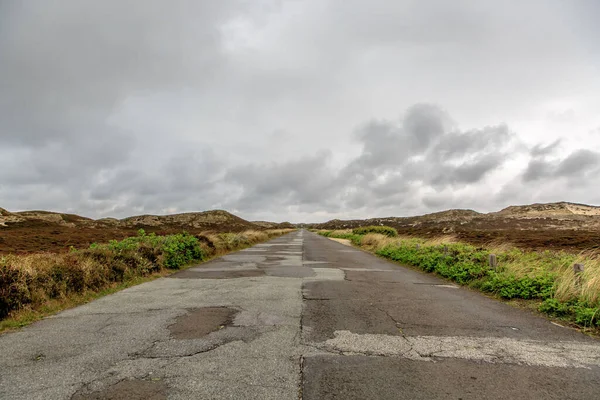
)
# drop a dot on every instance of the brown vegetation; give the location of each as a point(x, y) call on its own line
point(557, 226)
point(43, 231)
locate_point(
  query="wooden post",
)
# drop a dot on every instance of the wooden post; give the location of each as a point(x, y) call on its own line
point(493, 261)
point(418, 247)
point(578, 270)
point(445, 250)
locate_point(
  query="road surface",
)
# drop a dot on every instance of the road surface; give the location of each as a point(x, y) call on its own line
point(298, 317)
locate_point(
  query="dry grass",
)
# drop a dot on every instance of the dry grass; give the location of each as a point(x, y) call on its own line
point(586, 286)
point(374, 241)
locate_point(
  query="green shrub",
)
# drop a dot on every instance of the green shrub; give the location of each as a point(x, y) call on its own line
point(181, 249)
point(382, 230)
point(587, 316)
point(554, 308)
point(458, 265)
point(509, 287)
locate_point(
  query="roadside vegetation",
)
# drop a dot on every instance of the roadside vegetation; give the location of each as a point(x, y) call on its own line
point(546, 277)
point(34, 285)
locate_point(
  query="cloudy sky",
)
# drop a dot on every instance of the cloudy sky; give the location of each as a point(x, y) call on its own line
point(298, 110)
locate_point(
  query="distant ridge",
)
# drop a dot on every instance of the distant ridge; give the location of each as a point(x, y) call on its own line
point(558, 225)
point(39, 231)
point(206, 220)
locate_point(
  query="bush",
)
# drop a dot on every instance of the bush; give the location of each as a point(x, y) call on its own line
point(459, 265)
point(587, 316)
point(382, 230)
point(554, 308)
point(14, 291)
point(181, 249)
point(509, 287)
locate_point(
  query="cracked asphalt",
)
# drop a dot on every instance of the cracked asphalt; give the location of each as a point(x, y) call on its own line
point(300, 316)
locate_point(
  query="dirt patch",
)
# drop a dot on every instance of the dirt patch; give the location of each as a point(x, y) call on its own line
point(242, 273)
point(128, 390)
point(200, 322)
point(342, 241)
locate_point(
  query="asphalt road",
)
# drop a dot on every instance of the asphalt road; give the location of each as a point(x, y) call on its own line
point(298, 317)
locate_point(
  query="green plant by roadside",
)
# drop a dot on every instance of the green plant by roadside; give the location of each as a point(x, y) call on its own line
point(382, 230)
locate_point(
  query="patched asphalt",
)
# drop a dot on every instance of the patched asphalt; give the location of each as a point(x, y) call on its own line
point(299, 316)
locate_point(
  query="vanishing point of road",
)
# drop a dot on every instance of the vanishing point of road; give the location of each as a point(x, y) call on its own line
point(304, 317)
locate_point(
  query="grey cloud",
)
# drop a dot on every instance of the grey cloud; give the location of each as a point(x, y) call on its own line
point(66, 67)
point(437, 201)
point(578, 162)
point(424, 123)
point(543, 150)
point(487, 139)
point(389, 142)
point(469, 172)
point(444, 155)
point(537, 169)
point(63, 163)
point(426, 150)
point(185, 179)
point(304, 181)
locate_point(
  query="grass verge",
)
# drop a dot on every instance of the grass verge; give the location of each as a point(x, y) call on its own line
point(545, 278)
point(38, 285)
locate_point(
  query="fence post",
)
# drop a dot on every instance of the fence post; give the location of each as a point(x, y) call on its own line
point(493, 261)
point(445, 250)
point(578, 270)
point(418, 246)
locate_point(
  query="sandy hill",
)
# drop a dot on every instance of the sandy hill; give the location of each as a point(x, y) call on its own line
point(455, 215)
point(274, 225)
point(7, 217)
point(71, 220)
point(549, 210)
point(207, 220)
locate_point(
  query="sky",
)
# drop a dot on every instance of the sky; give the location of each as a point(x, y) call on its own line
point(298, 111)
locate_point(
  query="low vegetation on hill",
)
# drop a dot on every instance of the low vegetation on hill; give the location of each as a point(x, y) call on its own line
point(36, 283)
point(43, 231)
point(556, 226)
point(545, 276)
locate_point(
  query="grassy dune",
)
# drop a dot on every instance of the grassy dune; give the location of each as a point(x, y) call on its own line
point(35, 285)
point(546, 277)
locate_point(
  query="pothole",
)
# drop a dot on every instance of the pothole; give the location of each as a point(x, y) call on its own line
point(128, 390)
point(200, 322)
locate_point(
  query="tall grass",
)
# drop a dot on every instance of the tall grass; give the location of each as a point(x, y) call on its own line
point(546, 276)
point(31, 281)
